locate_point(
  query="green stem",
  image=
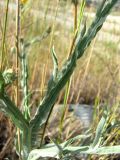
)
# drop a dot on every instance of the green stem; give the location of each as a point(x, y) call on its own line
point(26, 143)
point(67, 91)
point(17, 63)
point(45, 126)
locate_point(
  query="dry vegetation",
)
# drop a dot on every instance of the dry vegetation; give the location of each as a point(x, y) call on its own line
point(97, 76)
point(101, 59)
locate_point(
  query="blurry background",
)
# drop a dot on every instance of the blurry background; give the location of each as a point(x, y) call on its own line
point(97, 76)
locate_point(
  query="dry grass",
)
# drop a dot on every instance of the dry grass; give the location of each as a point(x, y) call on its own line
point(88, 79)
point(97, 74)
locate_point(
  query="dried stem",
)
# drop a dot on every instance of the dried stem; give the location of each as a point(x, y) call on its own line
point(51, 43)
point(4, 35)
point(17, 63)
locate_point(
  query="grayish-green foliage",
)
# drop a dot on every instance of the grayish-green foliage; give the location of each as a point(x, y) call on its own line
point(30, 128)
point(66, 150)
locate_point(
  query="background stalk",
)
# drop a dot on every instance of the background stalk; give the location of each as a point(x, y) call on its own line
point(17, 65)
point(68, 85)
point(4, 35)
point(51, 43)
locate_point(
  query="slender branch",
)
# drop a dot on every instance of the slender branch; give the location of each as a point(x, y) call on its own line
point(17, 62)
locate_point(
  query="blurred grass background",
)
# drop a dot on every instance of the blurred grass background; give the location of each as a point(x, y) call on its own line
point(96, 79)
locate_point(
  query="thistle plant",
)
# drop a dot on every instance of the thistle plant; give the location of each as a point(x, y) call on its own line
point(30, 127)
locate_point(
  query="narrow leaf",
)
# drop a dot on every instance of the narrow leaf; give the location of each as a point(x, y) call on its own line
point(55, 63)
point(47, 152)
point(9, 108)
point(100, 129)
point(86, 150)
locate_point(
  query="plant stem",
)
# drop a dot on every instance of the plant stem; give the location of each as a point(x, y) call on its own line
point(17, 63)
point(68, 85)
point(51, 43)
point(4, 35)
point(45, 126)
point(75, 16)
